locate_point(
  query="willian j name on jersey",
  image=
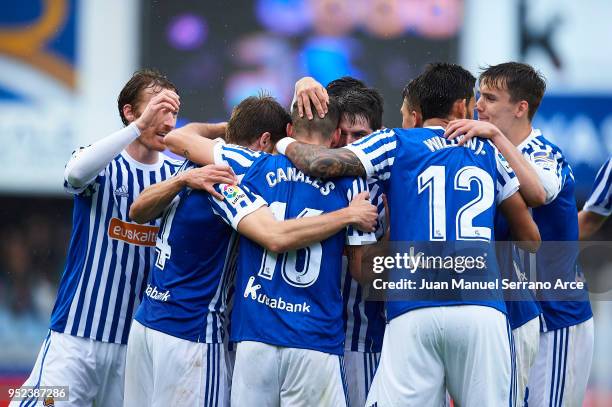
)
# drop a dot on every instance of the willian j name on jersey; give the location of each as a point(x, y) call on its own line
point(436, 143)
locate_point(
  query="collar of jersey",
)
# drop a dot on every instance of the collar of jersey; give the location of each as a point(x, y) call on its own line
point(434, 127)
point(138, 164)
point(534, 133)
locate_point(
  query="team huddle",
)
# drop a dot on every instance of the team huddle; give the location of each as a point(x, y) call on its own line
point(237, 276)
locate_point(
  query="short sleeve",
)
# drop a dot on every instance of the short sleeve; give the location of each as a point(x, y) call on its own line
point(239, 158)
point(355, 237)
point(600, 200)
point(506, 183)
point(376, 152)
point(238, 202)
point(376, 198)
point(549, 168)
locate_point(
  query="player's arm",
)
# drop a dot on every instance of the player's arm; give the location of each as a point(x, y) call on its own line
point(531, 187)
point(522, 226)
point(589, 223)
point(321, 162)
point(598, 207)
point(310, 92)
point(154, 199)
point(193, 141)
point(280, 236)
point(85, 165)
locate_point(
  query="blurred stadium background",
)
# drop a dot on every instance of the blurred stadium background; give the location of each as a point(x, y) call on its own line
point(63, 62)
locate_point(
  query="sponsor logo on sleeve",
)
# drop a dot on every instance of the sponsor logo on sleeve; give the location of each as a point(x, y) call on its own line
point(544, 159)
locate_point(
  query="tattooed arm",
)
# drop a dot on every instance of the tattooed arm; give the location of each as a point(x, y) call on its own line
point(322, 162)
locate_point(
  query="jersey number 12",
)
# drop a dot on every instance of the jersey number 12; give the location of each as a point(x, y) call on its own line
point(433, 180)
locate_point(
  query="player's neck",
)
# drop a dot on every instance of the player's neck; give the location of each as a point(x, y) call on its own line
point(519, 132)
point(142, 153)
point(436, 122)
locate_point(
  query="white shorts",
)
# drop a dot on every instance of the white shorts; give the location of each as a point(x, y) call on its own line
point(163, 370)
point(273, 376)
point(463, 348)
point(230, 360)
point(526, 344)
point(92, 370)
point(561, 370)
point(360, 368)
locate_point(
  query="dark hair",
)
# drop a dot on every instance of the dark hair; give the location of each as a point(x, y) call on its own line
point(520, 80)
point(357, 99)
point(325, 126)
point(411, 94)
point(140, 80)
point(441, 85)
point(364, 102)
point(254, 116)
point(338, 87)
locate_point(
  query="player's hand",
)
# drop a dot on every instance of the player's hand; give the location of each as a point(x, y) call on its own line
point(205, 178)
point(364, 215)
point(308, 90)
point(160, 104)
point(466, 129)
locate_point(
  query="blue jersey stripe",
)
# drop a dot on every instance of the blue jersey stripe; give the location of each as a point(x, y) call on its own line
point(134, 288)
point(100, 266)
point(111, 275)
point(89, 265)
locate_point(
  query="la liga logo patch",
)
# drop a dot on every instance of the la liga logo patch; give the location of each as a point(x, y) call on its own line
point(234, 196)
point(229, 191)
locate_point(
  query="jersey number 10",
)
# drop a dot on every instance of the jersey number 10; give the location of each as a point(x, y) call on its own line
point(311, 264)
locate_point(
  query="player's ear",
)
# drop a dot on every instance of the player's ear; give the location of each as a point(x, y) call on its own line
point(522, 109)
point(418, 119)
point(128, 112)
point(459, 109)
point(265, 140)
point(289, 130)
point(335, 139)
point(414, 117)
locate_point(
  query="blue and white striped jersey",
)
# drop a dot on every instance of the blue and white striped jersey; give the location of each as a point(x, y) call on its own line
point(364, 321)
point(600, 200)
point(195, 255)
point(438, 192)
point(291, 299)
point(513, 263)
point(556, 261)
point(109, 256)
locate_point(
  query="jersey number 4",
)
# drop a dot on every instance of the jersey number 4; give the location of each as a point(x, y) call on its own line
point(433, 180)
point(299, 268)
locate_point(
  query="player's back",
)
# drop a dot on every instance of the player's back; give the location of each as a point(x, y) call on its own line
point(184, 296)
point(442, 200)
point(295, 296)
